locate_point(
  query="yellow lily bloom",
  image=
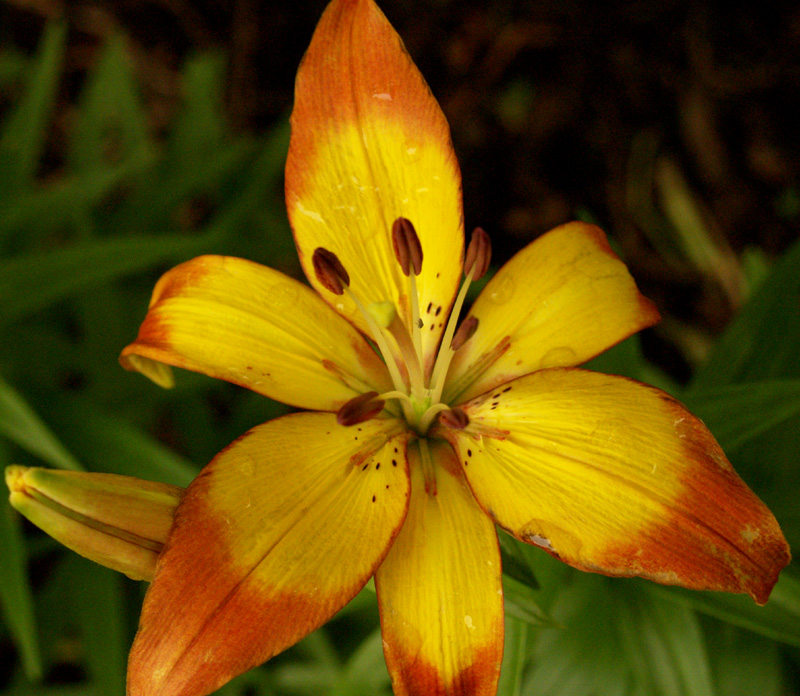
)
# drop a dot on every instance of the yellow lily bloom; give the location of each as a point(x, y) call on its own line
point(417, 439)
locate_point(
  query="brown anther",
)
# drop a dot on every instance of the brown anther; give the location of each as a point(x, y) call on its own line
point(455, 419)
point(464, 332)
point(407, 249)
point(329, 271)
point(479, 254)
point(360, 409)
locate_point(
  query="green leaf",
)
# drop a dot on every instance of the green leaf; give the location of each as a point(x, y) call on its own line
point(622, 359)
point(744, 663)
point(111, 125)
point(672, 645)
point(107, 443)
point(740, 413)
point(99, 608)
point(617, 639)
point(199, 128)
point(21, 425)
point(24, 130)
point(522, 602)
point(514, 561)
point(56, 205)
point(31, 282)
point(778, 620)
point(763, 341)
point(364, 673)
point(515, 657)
point(16, 597)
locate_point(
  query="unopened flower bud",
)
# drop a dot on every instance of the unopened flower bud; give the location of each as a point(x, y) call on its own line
point(118, 521)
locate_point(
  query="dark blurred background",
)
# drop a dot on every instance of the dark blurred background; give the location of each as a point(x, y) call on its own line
point(672, 124)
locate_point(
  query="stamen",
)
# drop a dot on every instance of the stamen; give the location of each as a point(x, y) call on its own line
point(407, 249)
point(455, 419)
point(479, 254)
point(457, 386)
point(329, 271)
point(464, 332)
point(360, 409)
point(476, 264)
point(408, 252)
point(410, 355)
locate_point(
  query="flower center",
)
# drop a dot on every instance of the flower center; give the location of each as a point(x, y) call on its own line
point(417, 393)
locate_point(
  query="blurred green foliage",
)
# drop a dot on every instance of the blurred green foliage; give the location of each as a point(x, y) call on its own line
point(79, 255)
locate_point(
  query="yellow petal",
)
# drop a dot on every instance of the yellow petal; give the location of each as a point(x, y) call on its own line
point(275, 535)
point(370, 144)
point(250, 325)
point(439, 589)
point(562, 300)
point(616, 477)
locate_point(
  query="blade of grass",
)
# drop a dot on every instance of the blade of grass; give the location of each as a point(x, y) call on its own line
point(111, 444)
point(778, 620)
point(515, 657)
point(740, 413)
point(763, 341)
point(16, 596)
point(112, 125)
point(23, 426)
point(31, 282)
point(99, 609)
point(672, 644)
point(24, 130)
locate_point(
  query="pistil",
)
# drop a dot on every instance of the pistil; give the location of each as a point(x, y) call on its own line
point(333, 276)
point(419, 400)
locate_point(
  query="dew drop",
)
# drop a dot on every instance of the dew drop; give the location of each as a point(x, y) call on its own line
point(284, 296)
point(248, 467)
point(502, 291)
point(411, 153)
point(563, 356)
point(609, 430)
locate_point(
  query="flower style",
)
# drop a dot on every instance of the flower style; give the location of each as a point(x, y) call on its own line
point(417, 439)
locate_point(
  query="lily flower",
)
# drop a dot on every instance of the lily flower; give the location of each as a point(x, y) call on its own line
point(417, 436)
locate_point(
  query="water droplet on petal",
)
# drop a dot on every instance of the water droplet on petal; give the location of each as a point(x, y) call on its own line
point(284, 296)
point(502, 291)
point(551, 537)
point(563, 356)
point(248, 467)
point(609, 430)
point(411, 153)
